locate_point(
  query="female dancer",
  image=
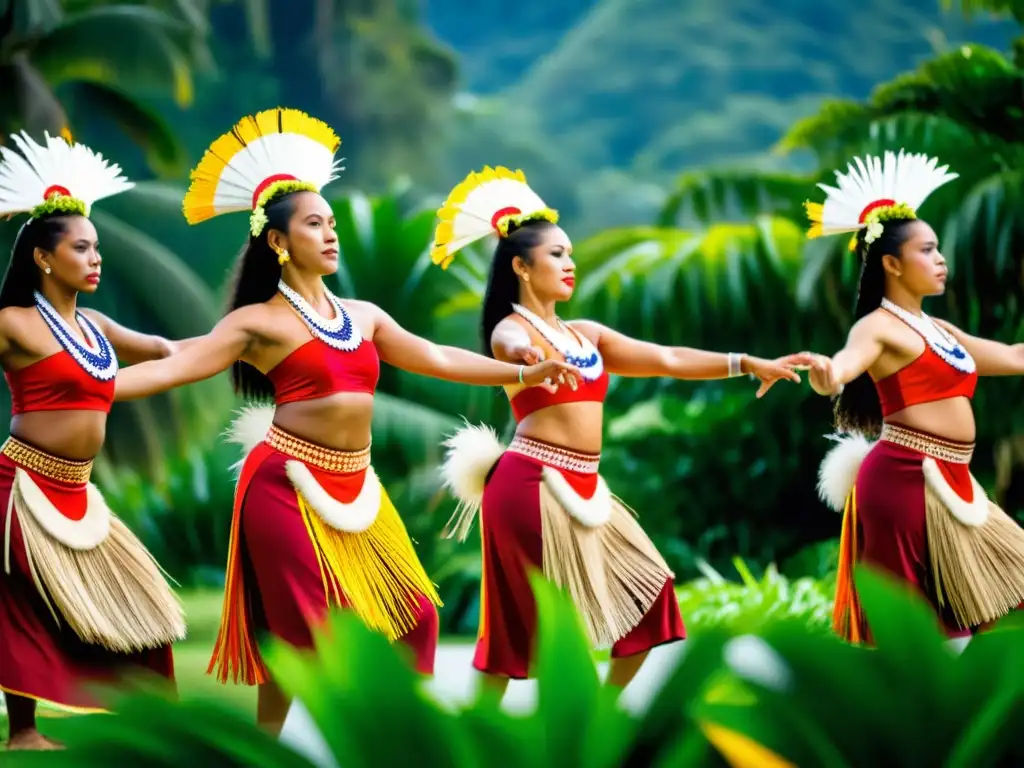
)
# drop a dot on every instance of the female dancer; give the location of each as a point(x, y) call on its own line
point(80, 597)
point(543, 503)
point(312, 526)
point(912, 507)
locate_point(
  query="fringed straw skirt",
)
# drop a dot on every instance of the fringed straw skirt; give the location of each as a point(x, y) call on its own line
point(916, 512)
point(82, 602)
point(546, 508)
point(313, 529)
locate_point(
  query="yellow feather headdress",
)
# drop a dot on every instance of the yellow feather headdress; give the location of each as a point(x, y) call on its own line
point(485, 202)
point(272, 152)
point(58, 177)
point(874, 190)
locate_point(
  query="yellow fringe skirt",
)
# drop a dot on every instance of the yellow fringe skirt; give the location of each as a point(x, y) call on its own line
point(313, 529)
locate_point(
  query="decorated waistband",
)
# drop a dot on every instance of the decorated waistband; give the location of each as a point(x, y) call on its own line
point(936, 447)
point(327, 459)
point(49, 466)
point(555, 456)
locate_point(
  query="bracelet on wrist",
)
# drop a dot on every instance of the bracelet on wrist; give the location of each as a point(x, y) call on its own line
point(735, 364)
point(522, 370)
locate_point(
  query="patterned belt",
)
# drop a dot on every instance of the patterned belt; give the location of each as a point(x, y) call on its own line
point(936, 447)
point(586, 463)
point(327, 459)
point(45, 464)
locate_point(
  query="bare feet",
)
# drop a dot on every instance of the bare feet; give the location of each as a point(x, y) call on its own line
point(31, 740)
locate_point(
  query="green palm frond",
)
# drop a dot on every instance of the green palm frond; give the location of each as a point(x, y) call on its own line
point(973, 94)
point(702, 288)
point(79, 64)
point(706, 196)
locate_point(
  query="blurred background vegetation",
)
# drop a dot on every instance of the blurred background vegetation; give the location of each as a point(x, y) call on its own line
point(677, 139)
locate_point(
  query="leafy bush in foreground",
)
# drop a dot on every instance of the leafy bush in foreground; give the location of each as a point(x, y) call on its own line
point(784, 698)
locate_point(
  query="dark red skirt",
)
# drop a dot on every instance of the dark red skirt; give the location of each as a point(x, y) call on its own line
point(892, 528)
point(40, 659)
point(281, 580)
point(512, 546)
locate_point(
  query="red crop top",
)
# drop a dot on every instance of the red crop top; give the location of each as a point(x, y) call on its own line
point(317, 369)
point(57, 383)
point(532, 399)
point(926, 380)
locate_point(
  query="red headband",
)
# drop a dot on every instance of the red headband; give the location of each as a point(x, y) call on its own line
point(872, 206)
point(510, 211)
point(267, 182)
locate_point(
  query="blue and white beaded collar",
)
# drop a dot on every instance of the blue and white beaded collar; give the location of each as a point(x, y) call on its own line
point(575, 348)
point(339, 332)
point(941, 342)
point(97, 358)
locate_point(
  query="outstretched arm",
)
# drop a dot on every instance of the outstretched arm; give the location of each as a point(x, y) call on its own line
point(630, 357)
point(412, 353)
point(992, 358)
point(202, 358)
point(864, 345)
point(134, 347)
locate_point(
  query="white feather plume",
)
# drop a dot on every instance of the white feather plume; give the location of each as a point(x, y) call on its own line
point(837, 472)
point(248, 429)
point(471, 453)
point(279, 144)
point(905, 178)
point(26, 176)
point(468, 213)
point(277, 153)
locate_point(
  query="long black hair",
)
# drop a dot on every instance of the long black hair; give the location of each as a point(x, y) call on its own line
point(858, 408)
point(256, 275)
point(22, 278)
point(502, 283)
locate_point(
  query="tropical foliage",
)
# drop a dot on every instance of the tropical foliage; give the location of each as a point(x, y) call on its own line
point(963, 107)
point(80, 64)
point(778, 696)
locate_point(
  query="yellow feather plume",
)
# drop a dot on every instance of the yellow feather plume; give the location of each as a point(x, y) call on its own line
point(275, 142)
point(468, 214)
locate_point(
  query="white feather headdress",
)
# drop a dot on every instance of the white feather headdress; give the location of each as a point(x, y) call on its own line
point(486, 202)
point(876, 189)
point(274, 151)
point(58, 177)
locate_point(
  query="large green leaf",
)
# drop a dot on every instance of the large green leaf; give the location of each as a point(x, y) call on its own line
point(144, 126)
point(356, 688)
point(149, 730)
point(116, 45)
point(30, 103)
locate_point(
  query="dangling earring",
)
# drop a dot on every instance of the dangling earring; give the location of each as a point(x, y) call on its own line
point(47, 270)
point(282, 257)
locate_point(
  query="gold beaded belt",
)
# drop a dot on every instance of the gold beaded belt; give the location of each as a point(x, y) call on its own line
point(563, 458)
point(327, 459)
point(42, 463)
point(936, 447)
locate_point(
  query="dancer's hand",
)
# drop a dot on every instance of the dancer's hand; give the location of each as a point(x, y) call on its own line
point(529, 354)
point(822, 376)
point(783, 368)
point(550, 374)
